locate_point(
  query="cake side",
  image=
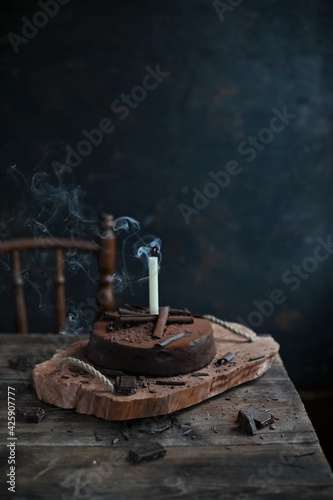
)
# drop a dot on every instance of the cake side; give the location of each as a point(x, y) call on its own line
point(133, 349)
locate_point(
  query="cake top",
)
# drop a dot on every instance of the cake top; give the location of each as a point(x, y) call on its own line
point(173, 342)
point(134, 324)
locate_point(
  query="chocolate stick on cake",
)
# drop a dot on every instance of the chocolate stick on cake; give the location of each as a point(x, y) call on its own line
point(161, 322)
point(165, 317)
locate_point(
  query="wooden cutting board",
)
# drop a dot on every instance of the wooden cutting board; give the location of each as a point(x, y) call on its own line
point(66, 388)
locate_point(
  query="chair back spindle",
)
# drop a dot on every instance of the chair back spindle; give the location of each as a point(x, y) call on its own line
point(20, 311)
point(105, 249)
point(60, 291)
point(107, 257)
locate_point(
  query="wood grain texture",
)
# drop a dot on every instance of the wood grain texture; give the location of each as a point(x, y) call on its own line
point(47, 243)
point(71, 455)
point(204, 473)
point(66, 389)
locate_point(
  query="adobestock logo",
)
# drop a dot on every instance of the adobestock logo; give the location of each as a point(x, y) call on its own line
point(50, 8)
point(221, 179)
point(138, 93)
point(120, 107)
point(266, 135)
point(293, 277)
point(201, 199)
point(223, 7)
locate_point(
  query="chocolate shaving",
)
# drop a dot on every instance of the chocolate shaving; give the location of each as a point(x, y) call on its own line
point(110, 315)
point(171, 339)
point(134, 307)
point(109, 372)
point(259, 356)
point(123, 310)
point(180, 319)
point(161, 322)
point(146, 318)
point(141, 318)
point(183, 312)
point(148, 451)
point(169, 382)
point(31, 414)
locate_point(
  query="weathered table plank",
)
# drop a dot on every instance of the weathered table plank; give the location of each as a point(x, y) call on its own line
point(213, 421)
point(68, 455)
point(212, 472)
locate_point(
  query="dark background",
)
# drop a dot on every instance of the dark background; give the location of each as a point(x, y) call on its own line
point(225, 78)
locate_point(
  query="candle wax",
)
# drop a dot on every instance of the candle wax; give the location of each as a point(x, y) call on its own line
point(153, 285)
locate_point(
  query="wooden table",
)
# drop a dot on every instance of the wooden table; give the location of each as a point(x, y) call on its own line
point(72, 456)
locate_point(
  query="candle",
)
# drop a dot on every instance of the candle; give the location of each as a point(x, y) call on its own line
point(153, 284)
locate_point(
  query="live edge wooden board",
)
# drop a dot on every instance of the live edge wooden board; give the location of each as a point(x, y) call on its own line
point(67, 388)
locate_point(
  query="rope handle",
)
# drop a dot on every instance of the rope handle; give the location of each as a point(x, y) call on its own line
point(248, 336)
point(88, 368)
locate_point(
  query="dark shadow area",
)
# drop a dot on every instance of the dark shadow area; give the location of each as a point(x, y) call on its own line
point(319, 406)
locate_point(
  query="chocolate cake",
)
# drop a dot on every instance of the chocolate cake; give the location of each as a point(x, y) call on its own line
point(137, 343)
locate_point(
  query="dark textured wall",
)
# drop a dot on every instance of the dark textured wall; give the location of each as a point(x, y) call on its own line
point(254, 245)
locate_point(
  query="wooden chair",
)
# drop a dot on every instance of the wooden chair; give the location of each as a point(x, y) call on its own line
point(104, 248)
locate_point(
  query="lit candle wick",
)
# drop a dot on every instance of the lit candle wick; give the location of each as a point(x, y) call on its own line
point(153, 282)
